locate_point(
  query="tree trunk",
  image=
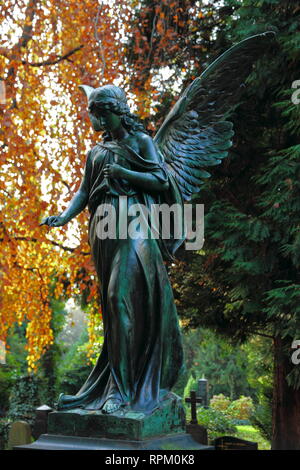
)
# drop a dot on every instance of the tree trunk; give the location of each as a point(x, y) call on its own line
point(286, 403)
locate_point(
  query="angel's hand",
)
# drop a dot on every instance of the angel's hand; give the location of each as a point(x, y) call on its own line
point(113, 170)
point(54, 221)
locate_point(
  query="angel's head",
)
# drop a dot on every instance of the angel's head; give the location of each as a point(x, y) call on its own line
point(108, 110)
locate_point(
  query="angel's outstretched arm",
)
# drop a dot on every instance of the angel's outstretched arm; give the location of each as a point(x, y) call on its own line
point(77, 203)
point(81, 197)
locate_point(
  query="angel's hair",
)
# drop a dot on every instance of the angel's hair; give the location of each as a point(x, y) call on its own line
point(114, 99)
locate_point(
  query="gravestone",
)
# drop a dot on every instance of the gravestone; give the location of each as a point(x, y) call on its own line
point(234, 443)
point(203, 391)
point(41, 421)
point(2, 351)
point(193, 400)
point(198, 433)
point(19, 434)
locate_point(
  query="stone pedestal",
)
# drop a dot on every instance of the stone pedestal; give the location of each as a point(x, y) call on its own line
point(169, 418)
point(166, 443)
point(199, 433)
point(164, 429)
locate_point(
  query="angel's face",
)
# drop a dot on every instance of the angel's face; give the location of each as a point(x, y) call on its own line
point(103, 119)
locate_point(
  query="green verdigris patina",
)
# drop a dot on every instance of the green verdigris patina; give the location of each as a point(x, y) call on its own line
point(169, 418)
point(142, 354)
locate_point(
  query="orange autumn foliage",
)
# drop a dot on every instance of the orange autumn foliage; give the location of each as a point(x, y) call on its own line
point(48, 48)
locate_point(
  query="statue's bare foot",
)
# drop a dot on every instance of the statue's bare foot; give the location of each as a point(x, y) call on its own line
point(111, 405)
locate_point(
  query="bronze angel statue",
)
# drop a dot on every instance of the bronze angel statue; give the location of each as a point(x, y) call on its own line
point(142, 354)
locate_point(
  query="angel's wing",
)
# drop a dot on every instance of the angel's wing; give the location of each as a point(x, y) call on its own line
point(196, 133)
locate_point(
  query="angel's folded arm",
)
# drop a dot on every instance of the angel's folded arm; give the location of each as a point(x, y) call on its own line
point(156, 180)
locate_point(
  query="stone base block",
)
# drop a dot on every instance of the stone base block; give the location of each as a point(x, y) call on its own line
point(172, 443)
point(169, 418)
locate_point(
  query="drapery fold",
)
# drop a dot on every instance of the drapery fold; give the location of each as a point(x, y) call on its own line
point(142, 356)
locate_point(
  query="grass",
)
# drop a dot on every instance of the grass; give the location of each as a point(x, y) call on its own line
point(249, 433)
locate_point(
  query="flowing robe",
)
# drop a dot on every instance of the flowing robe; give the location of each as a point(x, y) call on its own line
point(141, 357)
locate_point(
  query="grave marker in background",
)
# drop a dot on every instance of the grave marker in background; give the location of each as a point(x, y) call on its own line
point(2, 353)
point(19, 434)
point(193, 400)
point(41, 421)
point(203, 391)
point(234, 443)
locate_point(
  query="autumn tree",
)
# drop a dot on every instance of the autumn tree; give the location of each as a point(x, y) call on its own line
point(48, 48)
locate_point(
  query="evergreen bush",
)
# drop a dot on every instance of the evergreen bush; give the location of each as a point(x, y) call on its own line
point(220, 403)
point(240, 409)
point(24, 399)
point(4, 430)
point(216, 422)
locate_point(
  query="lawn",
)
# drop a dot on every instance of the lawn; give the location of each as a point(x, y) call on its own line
point(249, 433)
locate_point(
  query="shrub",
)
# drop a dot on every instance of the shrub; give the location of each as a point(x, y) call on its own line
point(220, 402)
point(192, 384)
point(24, 399)
point(262, 419)
point(240, 409)
point(6, 383)
point(4, 430)
point(73, 379)
point(73, 369)
point(216, 423)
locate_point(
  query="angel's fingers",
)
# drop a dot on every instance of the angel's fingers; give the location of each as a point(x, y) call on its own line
point(47, 221)
point(52, 220)
point(44, 222)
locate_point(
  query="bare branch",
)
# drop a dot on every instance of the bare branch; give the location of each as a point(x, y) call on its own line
point(55, 61)
point(23, 41)
point(4, 52)
point(66, 185)
point(99, 40)
point(67, 248)
point(259, 333)
point(34, 240)
point(26, 36)
point(6, 192)
point(152, 36)
point(27, 30)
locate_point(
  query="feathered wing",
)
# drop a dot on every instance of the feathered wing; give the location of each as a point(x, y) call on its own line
point(196, 133)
